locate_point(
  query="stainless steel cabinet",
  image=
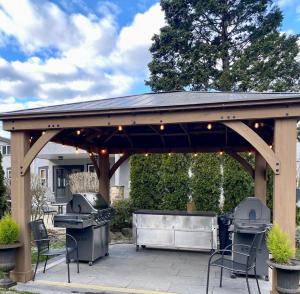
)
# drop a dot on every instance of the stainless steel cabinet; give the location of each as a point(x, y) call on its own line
point(175, 230)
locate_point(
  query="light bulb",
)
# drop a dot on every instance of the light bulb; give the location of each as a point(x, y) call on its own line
point(209, 126)
point(120, 128)
point(162, 127)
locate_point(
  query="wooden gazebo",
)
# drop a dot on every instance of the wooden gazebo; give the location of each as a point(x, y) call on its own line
point(264, 123)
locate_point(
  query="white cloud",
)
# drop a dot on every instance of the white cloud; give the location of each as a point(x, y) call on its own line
point(72, 56)
point(283, 3)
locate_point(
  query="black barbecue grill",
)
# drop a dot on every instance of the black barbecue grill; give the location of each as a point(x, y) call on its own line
point(250, 217)
point(88, 225)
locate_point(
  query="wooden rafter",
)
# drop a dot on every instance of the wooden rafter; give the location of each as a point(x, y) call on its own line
point(187, 134)
point(159, 134)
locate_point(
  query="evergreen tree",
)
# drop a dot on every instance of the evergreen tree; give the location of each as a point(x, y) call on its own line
point(206, 182)
point(223, 45)
point(3, 199)
point(173, 183)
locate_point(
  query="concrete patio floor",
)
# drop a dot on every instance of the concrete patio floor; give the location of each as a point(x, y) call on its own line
point(143, 272)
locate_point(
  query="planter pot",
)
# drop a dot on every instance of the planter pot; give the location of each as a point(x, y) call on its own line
point(287, 276)
point(7, 263)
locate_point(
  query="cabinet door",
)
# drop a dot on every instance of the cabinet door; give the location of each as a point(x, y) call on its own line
point(193, 240)
point(155, 237)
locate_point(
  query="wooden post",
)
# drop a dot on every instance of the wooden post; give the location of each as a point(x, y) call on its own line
point(284, 201)
point(104, 176)
point(21, 205)
point(260, 183)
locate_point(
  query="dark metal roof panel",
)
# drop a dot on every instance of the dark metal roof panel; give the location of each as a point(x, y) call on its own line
point(157, 100)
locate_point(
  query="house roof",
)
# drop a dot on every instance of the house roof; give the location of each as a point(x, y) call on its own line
point(150, 101)
point(3, 139)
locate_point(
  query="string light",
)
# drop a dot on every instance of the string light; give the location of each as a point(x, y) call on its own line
point(256, 125)
point(146, 154)
point(43, 133)
point(77, 151)
point(103, 151)
point(120, 128)
point(249, 153)
point(31, 138)
point(271, 146)
point(221, 152)
point(169, 153)
point(90, 154)
point(162, 127)
point(78, 132)
point(209, 126)
point(195, 154)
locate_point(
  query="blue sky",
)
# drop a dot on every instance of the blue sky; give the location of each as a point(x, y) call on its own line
point(59, 51)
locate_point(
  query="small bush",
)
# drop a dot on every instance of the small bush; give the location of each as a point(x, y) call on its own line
point(123, 214)
point(279, 245)
point(9, 230)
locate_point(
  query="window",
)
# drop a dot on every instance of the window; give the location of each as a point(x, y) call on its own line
point(91, 168)
point(5, 149)
point(43, 174)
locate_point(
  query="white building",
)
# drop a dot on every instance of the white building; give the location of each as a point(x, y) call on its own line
point(55, 162)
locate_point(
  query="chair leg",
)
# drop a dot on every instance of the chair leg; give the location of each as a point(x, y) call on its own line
point(36, 266)
point(248, 283)
point(221, 277)
point(45, 264)
point(77, 260)
point(68, 266)
point(207, 282)
point(256, 280)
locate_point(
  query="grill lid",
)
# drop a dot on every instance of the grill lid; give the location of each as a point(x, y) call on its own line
point(251, 212)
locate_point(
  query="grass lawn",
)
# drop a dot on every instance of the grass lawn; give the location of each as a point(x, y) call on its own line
point(58, 244)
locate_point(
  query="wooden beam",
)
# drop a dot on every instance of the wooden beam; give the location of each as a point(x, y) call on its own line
point(36, 148)
point(104, 176)
point(244, 163)
point(260, 183)
point(257, 142)
point(21, 205)
point(118, 164)
point(284, 199)
point(151, 117)
point(96, 165)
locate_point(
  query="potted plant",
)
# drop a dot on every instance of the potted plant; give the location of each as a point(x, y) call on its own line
point(9, 233)
point(287, 268)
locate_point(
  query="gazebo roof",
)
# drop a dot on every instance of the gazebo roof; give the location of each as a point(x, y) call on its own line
point(164, 100)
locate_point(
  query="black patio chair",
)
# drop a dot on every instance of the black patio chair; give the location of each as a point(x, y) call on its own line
point(43, 240)
point(226, 262)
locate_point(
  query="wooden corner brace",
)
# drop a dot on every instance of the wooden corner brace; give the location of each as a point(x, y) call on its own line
point(36, 148)
point(257, 142)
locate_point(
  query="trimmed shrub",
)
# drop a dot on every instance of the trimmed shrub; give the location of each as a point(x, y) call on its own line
point(237, 183)
point(9, 230)
point(144, 178)
point(206, 181)
point(123, 214)
point(173, 184)
point(3, 191)
point(279, 245)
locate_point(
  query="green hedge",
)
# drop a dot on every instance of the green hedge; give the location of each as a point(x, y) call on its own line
point(144, 178)
point(3, 194)
point(238, 184)
point(206, 181)
point(174, 182)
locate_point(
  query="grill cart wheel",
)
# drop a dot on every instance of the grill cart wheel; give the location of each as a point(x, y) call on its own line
point(90, 263)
